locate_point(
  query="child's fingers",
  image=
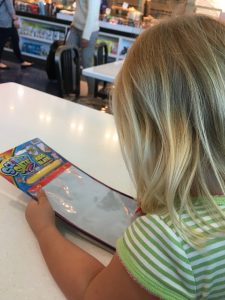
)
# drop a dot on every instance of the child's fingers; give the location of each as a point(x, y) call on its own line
point(32, 204)
point(42, 198)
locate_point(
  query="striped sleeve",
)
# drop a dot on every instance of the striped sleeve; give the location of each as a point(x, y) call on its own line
point(154, 256)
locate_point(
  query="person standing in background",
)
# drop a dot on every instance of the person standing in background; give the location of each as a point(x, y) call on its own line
point(8, 29)
point(84, 32)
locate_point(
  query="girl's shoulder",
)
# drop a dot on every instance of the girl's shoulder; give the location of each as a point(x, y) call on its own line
point(152, 252)
point(157, 227)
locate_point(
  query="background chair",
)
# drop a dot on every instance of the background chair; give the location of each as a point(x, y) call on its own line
point(101, 57)
point(67, 62)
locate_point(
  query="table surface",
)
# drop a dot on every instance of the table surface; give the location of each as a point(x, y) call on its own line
point(84, 136)
point(105, 72)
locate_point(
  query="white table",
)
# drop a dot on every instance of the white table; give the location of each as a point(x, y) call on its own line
point(84, 136)
point(105, 72)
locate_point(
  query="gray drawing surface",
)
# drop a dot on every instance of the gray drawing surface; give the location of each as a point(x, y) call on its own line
point(90, 205)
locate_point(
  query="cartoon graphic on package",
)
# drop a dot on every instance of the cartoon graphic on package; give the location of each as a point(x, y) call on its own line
point(32, 165)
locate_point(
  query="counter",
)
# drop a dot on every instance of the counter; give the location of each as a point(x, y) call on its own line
point(37, 32)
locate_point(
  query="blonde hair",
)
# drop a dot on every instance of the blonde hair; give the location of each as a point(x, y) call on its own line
point(169, 108)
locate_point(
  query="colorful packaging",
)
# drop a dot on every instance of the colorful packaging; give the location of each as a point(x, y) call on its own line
point(97, 210)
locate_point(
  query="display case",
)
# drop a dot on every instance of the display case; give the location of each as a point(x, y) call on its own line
point(38, 31)
point(40, 27)
point(36, 36)
point(118, 44)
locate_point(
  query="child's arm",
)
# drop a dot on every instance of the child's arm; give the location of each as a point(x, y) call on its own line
point(78, 274)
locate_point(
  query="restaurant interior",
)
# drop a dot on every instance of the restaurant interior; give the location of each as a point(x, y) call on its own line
point(57, 112)
point(120, 24)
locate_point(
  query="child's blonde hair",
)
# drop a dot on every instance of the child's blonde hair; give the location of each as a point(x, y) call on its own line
point(169, 108)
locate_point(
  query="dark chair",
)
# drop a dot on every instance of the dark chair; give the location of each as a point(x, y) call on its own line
point(100, 57)
point(68, 71)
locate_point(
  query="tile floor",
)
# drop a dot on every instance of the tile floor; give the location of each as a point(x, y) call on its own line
point(34, 77)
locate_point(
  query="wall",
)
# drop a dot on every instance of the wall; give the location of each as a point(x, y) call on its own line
point(180, 6)
point(136, 3)
point(190, 3)
point(212, 3)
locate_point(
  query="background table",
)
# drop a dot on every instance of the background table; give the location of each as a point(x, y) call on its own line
point(105, 72)
point(84, 136)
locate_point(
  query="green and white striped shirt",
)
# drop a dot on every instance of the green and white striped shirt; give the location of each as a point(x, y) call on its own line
point(167, 266)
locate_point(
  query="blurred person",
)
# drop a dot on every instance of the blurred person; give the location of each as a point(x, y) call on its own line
point(84, 33)
point(8, 30)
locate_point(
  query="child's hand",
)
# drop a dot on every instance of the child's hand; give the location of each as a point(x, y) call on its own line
point(39, 214)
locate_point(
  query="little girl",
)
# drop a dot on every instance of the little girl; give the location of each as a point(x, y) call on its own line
point(169, 108)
